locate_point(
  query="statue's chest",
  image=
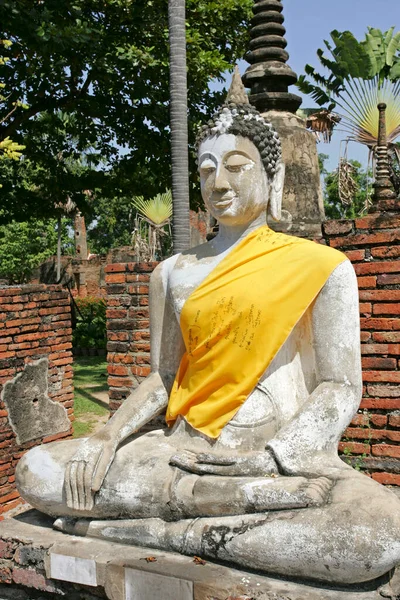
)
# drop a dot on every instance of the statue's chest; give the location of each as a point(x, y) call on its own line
point(186, 276)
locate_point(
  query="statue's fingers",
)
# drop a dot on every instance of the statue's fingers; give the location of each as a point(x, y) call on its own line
point(209, 469)
point(87, 484)
point(67, 485)
point(73, 486)
point(214, 459)
point(183, 462)
point(80, 490)
point(100, 471)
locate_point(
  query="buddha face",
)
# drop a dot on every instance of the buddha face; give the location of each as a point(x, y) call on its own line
point(234, 184)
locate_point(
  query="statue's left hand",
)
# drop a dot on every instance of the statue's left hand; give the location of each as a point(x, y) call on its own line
point(250, 464)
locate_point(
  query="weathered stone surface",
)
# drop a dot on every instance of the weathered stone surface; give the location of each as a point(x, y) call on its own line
point(302, 204)
point(209, 581)
point(31, 412)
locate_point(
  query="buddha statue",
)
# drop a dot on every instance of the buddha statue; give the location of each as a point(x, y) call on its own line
point(255, 351)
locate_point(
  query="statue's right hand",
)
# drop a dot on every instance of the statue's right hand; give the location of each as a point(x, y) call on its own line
point(86, 471)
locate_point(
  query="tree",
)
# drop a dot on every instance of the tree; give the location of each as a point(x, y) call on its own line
point(24, 246)
point(179, 125)
point(345, 189)
point(106, 63)
point(360, 75)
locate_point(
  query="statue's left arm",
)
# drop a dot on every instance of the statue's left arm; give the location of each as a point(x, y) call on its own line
point(307, 445)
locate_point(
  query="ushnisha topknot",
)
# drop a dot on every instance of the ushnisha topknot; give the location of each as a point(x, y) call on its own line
point(241, 118)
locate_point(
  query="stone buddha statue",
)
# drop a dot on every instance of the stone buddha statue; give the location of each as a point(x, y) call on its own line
point(256, 359)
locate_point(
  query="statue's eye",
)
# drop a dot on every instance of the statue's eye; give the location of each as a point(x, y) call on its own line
point(237, 162)
point(207, 167)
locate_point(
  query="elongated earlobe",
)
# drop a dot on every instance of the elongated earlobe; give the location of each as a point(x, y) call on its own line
point(276, 193)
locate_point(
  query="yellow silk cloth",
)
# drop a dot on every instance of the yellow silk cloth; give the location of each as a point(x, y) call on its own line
point(238, 318)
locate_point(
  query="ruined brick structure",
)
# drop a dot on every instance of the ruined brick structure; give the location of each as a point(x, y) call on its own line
point(128, 330)
point(35, 323)
point(372, 243)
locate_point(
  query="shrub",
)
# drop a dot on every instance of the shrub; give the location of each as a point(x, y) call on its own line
point(90, 329)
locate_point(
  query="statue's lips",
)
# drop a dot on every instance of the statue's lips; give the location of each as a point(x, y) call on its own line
point(224, 201)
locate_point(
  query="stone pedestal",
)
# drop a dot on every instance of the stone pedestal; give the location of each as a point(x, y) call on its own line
point(303, 208)
point(36, 557)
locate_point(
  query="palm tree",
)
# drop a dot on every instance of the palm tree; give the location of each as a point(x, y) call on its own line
point(179, 125)
point(360, 76)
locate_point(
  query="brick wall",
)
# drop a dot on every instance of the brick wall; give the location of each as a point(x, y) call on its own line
point(35, 322)
point(372, 243)
point(128, 332)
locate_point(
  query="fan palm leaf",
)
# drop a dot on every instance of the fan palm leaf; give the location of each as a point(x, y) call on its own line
point(361, 75)
point(157, 210)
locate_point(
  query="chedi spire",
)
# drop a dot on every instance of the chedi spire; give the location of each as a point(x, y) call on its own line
point(269, 75)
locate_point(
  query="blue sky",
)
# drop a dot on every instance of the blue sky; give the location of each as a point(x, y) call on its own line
point(309, 22)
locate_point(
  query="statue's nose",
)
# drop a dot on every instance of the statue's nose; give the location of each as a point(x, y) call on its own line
point(221, 180)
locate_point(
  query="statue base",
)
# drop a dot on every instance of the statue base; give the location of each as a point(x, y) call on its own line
point(33, 556)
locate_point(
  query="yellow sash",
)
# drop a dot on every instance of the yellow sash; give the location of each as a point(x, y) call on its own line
point(238, 318)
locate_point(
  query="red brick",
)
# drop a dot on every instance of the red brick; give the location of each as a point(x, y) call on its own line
point(387, 376)
point(380, 295)
point(365, 308)
point(115, 268)
point(386, 478)
point(56, 310)
point(379, 363)
point(375, 349)
point(116, 314)
point(386, 450)
point(378, 221)
point(355, 255)
point(366, 282)
point(125, 359)
point(141, 371)
point(57, 436)
point(32, 578)
point(138, 289)
point(386, 252)
point(378, 420)
point(118, 336)
point(380, 403)
point(4, 355)
point(394, 420)
point(6, 549)
point(118, 382)
point(337, 227)
point(365, 336)
point(372, 434)
point(366, 239)
point(386, 309)
point(360, 419)
point(117, 370)
point(386, 336)
point(11, 496)
point(354, 447)
point(377, 267)
point(14, 308)
point(116, 278)
point(382, 324)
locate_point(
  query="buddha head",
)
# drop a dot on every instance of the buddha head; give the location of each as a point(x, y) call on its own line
point(239, 157)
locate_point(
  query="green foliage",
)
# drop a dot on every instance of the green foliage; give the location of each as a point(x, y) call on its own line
point(113, 224)
point(104, 63)
point(90, 330)
point(24, 246)
point(334, 207)
point(357, 76)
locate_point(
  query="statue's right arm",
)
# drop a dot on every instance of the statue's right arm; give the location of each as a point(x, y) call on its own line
point(86, 471)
